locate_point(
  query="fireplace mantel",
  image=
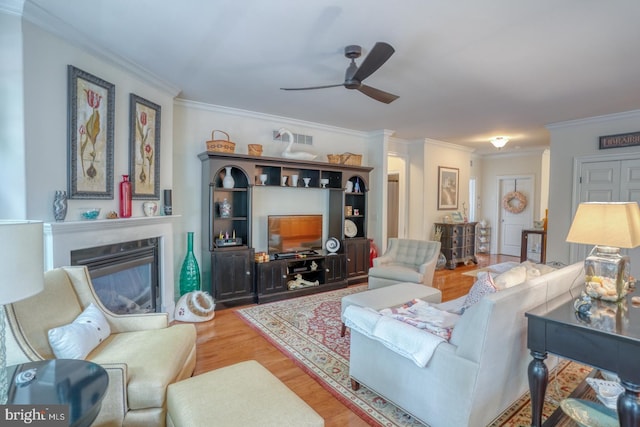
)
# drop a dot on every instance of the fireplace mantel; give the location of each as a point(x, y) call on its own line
point(61, 238)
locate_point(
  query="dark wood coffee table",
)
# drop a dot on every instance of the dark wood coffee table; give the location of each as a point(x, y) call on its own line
point(77, 383)
point(609, 340)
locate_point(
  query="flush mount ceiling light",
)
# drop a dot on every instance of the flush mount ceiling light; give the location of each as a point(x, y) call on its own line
point(499, 141)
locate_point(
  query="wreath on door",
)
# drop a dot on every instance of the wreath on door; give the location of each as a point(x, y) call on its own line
point(514, 202)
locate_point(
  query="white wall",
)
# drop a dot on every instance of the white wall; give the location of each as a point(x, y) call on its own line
point(13, 192)
point(45, 92)
point(574, 139)
point(193, 124)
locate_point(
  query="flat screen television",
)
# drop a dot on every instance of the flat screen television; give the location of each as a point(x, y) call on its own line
point(294, 233)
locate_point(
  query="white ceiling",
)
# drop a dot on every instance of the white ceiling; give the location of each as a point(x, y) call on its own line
point(465, 70)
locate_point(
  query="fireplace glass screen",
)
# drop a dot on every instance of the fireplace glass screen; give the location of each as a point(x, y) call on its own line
point(124, 275)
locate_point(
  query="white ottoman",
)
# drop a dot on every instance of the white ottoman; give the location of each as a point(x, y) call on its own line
point(389, 296)
point(245, 394)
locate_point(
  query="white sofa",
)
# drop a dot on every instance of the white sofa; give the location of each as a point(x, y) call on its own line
point(480, 371)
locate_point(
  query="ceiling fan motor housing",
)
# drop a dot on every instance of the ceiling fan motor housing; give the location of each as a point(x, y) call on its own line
point(353, 51)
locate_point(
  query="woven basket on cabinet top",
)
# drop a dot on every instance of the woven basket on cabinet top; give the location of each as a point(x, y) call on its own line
point(220, 145)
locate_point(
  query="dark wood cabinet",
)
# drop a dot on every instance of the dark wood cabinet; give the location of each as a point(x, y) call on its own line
point(272, 278)
point(457, 242)
point(232, 272)
point(357, 251)
point(229, 269)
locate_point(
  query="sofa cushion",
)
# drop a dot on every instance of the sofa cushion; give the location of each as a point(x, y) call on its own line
point(77, 339)
point(152, 370)
point(483, 286)
point(511, 277)
point(396, 272)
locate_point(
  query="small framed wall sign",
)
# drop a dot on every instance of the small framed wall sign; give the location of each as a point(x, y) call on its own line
point(620, 140)
point(457, 217)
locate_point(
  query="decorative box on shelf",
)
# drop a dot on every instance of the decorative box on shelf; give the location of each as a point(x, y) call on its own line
point(229, 242)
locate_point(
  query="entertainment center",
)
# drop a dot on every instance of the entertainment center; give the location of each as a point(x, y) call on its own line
point(298, 263)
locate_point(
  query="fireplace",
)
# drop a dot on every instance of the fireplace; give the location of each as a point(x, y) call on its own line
point(124, 275)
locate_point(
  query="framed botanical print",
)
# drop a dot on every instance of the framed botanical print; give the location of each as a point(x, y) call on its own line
point(144, 144)
point(447, 188)
point(90, 116)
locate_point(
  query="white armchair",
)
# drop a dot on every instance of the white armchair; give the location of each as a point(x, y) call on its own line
point(405, 260)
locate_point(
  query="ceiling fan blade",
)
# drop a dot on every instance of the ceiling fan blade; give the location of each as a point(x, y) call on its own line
point(377, 94)
point(312, 87)
point(380, 53)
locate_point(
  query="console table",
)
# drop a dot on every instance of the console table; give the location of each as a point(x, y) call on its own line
point(609, 339)
point(77, 383)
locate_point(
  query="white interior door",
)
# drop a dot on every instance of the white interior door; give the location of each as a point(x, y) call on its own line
point(512, 224)
point(611, 181)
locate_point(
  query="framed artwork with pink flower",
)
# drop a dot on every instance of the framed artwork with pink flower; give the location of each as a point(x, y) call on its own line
point(144, 143)
point(90, 115)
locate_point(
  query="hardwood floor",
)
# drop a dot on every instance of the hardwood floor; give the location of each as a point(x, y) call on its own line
point(227, 339)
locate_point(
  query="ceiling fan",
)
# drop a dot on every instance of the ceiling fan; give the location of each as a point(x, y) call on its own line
point(354, 75)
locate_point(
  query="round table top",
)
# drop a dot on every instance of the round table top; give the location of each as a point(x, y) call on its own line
point(77, 383)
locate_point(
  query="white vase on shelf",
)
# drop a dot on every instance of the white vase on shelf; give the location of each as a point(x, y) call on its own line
point(228, 181)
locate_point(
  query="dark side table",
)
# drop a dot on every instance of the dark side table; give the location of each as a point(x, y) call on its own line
point(608, 339)
point(77, 383)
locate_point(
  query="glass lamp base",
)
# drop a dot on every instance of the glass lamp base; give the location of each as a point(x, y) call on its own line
point(606, 274)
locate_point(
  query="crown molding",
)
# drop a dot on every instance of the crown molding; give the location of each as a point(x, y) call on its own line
point(50, 23)
point(449, 145)
point(266, 117)
point(633, 114)
point(12, 7)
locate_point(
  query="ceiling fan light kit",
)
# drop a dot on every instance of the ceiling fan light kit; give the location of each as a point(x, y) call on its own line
point(354, 76)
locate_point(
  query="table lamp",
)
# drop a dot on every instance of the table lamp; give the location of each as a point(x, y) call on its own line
point(21, 275)
point(608, 226)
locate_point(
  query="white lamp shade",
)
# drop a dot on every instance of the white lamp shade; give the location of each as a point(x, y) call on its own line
point(21, 260)
point(606, 224)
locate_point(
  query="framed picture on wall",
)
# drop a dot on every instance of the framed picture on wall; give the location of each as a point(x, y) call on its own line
point(90, 115)
point(447, 188)
point(144, 146)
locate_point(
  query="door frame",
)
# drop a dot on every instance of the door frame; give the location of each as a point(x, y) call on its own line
point(497, 240)
point(575, 254)
point(403, 192)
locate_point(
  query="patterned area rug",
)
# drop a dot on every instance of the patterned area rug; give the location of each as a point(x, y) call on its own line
point(307, 329)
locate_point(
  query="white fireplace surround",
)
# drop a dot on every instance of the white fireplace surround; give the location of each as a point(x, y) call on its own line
point(60, 238)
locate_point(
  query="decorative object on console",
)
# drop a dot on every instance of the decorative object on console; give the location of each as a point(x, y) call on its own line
point(225, 208)
point(284, 181)
point(22, 262)
point(306, 182)
point(60, 205)
point(294, 180)
point(168, 209)
point(350, 228)
point(263, 179)
point(220, 145)
point(332, 245)
point(300, 155)
point(125, 197)
point(149, 208)
point(228, 181)
point(90, 213)
point(349, 187)
point(255, 149)
point(91, 122)
point(196, 306)
point(299, 282)
point(144, 148)
point(608, 226)
point(324, 182)
point(190, 271)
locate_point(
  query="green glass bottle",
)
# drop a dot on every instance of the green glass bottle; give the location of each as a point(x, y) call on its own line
point(190, 272)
